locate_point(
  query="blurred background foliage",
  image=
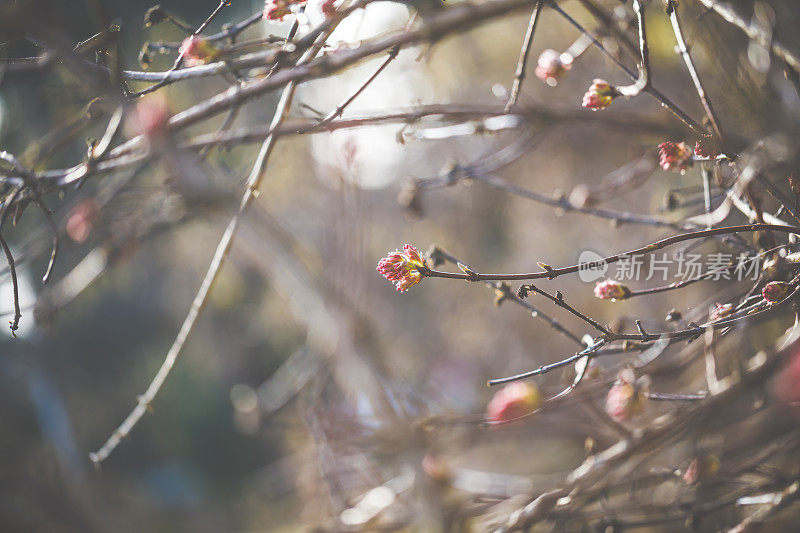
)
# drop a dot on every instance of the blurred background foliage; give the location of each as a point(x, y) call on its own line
point(308, 380)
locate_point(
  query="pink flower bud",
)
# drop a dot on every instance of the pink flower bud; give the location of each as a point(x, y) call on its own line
point(675, 156)
point(151, 115)
point(197, 50)
point(552, 66)
point(707, 147)
point(794, 182)
point(513, 401)
point(720, 311)
point(402, 268)
point(626, 398)
point(81, 219)
point(277, 10)
point(787, 382)
point(328, 8)
point(702, 468)
point(611, 290)
point(599, 95)
point(775, 291)
point(436, 468)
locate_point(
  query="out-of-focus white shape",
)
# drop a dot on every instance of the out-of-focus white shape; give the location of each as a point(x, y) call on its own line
point(369, 157)
point(243, 397)
point(649, 355)
point(79, 278)
point(374, 501)
point(757, 53)
point(499, 90)
point(481, 482)
point(588, 275)
point(27, 297)
point(761, 499)
point(503, 122)
point(288, 380)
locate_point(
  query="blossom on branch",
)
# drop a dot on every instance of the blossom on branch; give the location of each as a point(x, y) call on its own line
point(150, 115)
point(552, 66)
point(328, 7)
point(794, 182)
point(600, 95)
point(674, 156)
point(197, 50)
point(611, 290)
point(513, 401)
point(277, 10)
point(627, 397)
point(81, 220)
point(403, 268)
point(700, 469)
point(775, 291)
point(787, 382)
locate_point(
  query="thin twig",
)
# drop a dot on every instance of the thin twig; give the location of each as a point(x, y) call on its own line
point(642, 81)
point(552, 273)
point(223, 248)
point(522, 63)
point(544, 369)
point(505, 293)
point(752, 30)
point(684, 52)
point(14, 285)
point(558, 299)
point(336, 113)
point(677, 111)
point(179, 59)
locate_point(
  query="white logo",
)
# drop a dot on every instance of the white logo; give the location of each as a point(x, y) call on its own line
point(592, 273)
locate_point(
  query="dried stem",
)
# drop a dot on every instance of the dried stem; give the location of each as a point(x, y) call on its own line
point(179, 59)
point(14, 285)
point(677, 111)
point(552, 273)
point(522, 63)
point(724, 10)
point(223, 248)
point(672, 10)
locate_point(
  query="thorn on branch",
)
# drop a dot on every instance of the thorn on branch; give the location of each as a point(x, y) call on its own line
point(547, 268)
point(473, 276)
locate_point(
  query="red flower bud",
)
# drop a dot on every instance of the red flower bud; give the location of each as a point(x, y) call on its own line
point(775, 291)
point(513, 401)
point(402, 268)
point(328, 8)
point(81, 219)
point(151, 115)
point(675, 156)
point(627, 397)
point(794, 182)
point(197, 50)
point(787, 383)
point(611, 290)
point(552, 66)
point(599, 95)
point(701, 469)
point(277, 10)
